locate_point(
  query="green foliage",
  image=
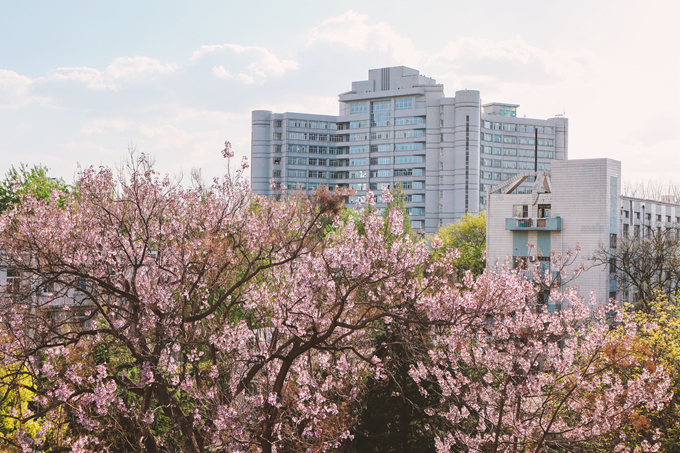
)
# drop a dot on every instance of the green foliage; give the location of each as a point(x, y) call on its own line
point(393, 417)
point(26, 180)
point(399, 201)
point(15, 399)
point(468, 235)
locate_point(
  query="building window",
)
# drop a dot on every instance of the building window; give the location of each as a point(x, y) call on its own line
point(409, 159)
point(381, 113)
point(358, 124)
point(277, 123)
point(441, 165)
point(441, 194)
point(612, 241)
point(625, 229)
point(298, 136)
point(380, 173)
point(297, 161)
point(403, 103)
point(13, 280)
point(441, 208)
point(509, 127)
point(544, 210)
point(521, 211)
point(508, 111)
point(382, 135)
point(409, 120)
point(358, 107)
point(408, 172)
point(381, 148)
point(277, 135)
point(408, 146)
point(277, 174)
point(277, 161)
point(296, 173)
point(358, 149)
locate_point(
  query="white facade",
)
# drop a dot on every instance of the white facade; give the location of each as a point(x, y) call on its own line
point(578, 202)
point(398, 127)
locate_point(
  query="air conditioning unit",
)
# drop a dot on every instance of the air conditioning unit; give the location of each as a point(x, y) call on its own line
point(532, 257)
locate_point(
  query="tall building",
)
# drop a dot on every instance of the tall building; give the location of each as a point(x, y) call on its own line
point(398, 127)
point(578, 202)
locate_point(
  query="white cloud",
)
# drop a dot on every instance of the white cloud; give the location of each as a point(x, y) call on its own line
point(14, 88)
point(512, 61)
point(222, 72)
point(123, 69)
point(134, 67)
point(251, 64)
point(351, 29)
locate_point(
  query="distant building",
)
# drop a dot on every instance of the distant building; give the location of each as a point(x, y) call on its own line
point(577, 202)
point(398, 127)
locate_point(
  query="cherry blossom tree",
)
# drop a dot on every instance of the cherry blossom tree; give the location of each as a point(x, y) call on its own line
point(150, 316)
point(159, 317)
point(523, 379)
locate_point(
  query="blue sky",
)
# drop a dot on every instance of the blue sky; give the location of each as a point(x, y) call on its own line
point(80, 80)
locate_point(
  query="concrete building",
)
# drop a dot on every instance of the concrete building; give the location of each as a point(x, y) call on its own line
point(578, 202)
point(399, 127)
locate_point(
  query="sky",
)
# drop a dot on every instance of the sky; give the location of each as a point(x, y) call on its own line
point(83, 81)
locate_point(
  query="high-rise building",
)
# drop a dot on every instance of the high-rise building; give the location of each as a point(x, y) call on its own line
point(397, 127)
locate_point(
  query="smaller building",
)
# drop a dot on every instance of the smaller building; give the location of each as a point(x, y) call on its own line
point(577, 203)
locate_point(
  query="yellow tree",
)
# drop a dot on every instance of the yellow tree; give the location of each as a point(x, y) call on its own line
point(660, 337)
point(15, 397)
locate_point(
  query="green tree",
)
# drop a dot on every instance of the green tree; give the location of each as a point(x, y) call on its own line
point(468, 235)
point(23, 180)
point(399, 201)
point(394, 414)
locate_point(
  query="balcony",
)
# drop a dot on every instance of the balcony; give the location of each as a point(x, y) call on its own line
point(533, 224)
